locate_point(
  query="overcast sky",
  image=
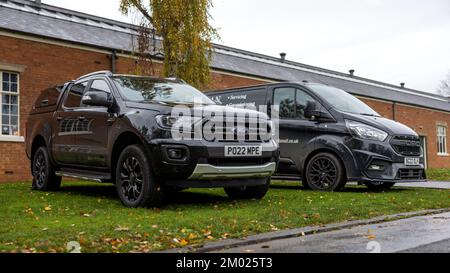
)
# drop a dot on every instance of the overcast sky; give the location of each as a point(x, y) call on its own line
point(388, 40)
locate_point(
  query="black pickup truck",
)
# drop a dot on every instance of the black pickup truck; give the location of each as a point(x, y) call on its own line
point(120, 129)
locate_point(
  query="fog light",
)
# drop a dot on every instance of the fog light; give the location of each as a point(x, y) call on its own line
point(375, 167)
point(175, 154)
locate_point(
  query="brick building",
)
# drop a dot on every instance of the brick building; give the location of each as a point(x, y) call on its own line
point(42, 45)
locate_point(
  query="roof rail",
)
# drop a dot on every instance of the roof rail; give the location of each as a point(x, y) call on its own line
point(176, 79)
point(104, 72)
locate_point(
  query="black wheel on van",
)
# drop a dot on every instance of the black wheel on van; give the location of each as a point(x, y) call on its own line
point(325, 172)
point(248, 192)
point(136, 185)
point(379, 186)
point(44, 178)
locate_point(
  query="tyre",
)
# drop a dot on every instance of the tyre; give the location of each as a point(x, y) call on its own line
point(325, 172)
point(135, 183)
point(379, 186)
point(44, 178)
point(248, 192)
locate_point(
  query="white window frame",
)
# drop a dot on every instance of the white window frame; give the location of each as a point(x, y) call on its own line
point(442, 140)
point(10, 138)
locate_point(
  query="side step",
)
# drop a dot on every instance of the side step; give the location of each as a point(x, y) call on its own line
point(85, 175)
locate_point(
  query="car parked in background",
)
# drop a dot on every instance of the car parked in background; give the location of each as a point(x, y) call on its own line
point(329, 137)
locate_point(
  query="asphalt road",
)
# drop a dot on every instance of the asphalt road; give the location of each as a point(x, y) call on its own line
point(430, 234)
point(428, 185)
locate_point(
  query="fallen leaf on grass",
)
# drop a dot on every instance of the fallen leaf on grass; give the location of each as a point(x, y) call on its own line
point(120, 228)
point(47, 208)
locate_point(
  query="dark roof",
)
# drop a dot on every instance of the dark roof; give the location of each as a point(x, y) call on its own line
point(67, 25)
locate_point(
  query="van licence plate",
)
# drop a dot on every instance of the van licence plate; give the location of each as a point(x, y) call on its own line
point(243, 151)
point(412, 161)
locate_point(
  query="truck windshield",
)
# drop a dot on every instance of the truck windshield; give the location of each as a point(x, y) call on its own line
point(142, 89)
point(342, 101)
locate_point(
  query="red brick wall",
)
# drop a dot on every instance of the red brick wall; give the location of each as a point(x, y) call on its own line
point(48, 65)
point(425, 123)
point(383, 108)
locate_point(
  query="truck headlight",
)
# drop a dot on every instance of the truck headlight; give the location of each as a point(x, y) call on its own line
point(365, 131)
point(171, 122)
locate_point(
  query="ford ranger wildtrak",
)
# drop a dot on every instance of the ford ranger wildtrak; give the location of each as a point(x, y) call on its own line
point(120, 129)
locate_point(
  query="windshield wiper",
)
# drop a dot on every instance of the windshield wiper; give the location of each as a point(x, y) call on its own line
point(369, 115)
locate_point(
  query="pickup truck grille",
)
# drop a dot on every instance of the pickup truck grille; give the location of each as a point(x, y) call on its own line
point(253, 132)
point(407, 145)
point(410, 174)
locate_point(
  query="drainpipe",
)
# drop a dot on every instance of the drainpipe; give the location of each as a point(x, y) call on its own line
point(113, 61)
point(394, 104)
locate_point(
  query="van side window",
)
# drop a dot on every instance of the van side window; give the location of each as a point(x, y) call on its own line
point(303, 102)
point(285, 98)
point(73, 99)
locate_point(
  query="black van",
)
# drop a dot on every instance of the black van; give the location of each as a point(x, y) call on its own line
point(328, 137)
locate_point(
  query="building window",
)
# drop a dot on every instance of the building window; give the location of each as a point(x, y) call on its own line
point(442, 140)
point(9, 104)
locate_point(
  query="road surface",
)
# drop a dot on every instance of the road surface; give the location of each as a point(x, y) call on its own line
point(430, 234)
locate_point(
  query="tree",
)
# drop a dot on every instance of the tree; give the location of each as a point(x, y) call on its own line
point(186, 35)
point(444, 88)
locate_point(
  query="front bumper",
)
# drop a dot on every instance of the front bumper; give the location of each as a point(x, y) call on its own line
point(205, 164)
point(393, 168)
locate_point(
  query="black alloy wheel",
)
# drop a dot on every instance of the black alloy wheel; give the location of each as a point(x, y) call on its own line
point(39, 169)
point(135, 183)
point(44, 178)
point(325, 172)
point(132, 179)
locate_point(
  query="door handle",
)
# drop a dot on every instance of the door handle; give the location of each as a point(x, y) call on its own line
point(81, 118)
point(59, 118)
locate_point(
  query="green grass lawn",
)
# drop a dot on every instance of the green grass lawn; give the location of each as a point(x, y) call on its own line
point(92, 215)
point(438, 174)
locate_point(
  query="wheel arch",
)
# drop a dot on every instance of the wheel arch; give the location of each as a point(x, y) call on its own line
point(124, 140)
point(38, 141)
point(325, 150)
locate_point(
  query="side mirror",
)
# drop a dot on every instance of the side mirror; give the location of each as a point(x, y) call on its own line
point(97, 98)
point(322, 116)
point(313, 112)
point(310, 108)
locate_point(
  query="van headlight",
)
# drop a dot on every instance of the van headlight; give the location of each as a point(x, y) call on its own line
point(365, 131)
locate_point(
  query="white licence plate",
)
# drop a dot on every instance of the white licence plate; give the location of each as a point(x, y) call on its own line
point(412, 161)
point(243, 151)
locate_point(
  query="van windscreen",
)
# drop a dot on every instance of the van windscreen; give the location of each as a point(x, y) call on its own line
point(342, 101)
